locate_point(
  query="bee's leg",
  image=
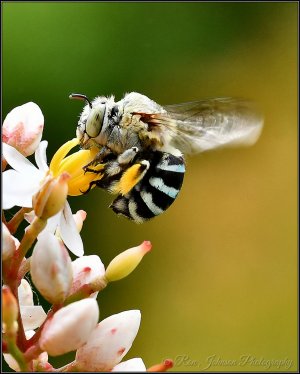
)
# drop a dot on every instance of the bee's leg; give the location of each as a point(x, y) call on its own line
point(128, 156)
point(132, 176)
point(104, 152)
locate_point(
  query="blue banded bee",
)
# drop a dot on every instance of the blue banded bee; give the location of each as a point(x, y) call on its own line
point(141, 144)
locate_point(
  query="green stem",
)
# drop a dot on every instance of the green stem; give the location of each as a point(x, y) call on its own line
point(17, 355)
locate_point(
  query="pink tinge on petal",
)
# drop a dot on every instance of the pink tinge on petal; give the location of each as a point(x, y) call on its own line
point(134, 364)
point(109, 342)
point(85, 270)
point(69, 232)
point(23, 128)
point(32, 316)
point(79, 218)
point(70, 327)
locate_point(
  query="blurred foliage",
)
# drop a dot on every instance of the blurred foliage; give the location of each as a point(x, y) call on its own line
point(221, 281)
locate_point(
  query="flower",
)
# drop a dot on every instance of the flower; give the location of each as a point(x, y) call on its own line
point(9, 310)
point(22, 182)
point(70, 327)
point(109, 342)
point(32, 315)
point(50, 268)
point(86, 269)
point(134, 364)
point(8, 245)
point(123, 264)
point(23, 128)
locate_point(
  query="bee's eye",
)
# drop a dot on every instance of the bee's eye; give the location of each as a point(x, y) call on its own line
point(95, 121)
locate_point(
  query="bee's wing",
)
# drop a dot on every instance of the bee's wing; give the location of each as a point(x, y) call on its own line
point(213, 123)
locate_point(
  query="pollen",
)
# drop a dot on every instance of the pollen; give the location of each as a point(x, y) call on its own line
point(73, 164)
point(131, 177)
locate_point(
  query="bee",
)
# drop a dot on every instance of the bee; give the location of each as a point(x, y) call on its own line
point(142, 144)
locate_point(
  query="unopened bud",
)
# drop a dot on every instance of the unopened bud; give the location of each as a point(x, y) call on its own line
point(123, 264)
point(51, 197)
point(109, 342)
point(79, 218)
point(8, 244)
point(86, 269)
point(70, 327)
point(51, 268)
point(23, 128)
point(9, 311)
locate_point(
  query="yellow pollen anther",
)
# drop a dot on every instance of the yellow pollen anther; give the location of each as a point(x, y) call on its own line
point(73, 164)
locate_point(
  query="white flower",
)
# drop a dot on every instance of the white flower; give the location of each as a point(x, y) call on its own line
point(32, 315)
point(8, 244)
point(70, 327)
point(23, 181)
point(23, 128)
point(86, 269)
point(109, 342)
point(51, 268)
point(134, 364)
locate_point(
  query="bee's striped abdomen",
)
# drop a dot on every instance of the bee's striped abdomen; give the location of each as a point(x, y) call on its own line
point(156, 191)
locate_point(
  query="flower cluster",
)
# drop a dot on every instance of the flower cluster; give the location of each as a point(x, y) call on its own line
point(31, 335)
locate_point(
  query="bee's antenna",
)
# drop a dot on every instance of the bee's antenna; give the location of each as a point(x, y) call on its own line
point(81, 97)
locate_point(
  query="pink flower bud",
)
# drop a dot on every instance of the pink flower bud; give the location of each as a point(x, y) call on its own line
point(23, 128)
point(9, 311)
point(70, 327)
point(86, 269)
point(51, 268)
point(8, 245)
point(109, 342)
point(79, 218)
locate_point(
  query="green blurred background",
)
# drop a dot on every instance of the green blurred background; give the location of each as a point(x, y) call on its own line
point(221, 280)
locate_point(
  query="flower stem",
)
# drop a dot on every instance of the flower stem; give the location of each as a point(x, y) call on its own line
point(29, 238)
point(24, 268)
point(17, 354)
point(14, 223)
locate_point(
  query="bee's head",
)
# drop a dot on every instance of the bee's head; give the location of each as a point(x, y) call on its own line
point(91, 119)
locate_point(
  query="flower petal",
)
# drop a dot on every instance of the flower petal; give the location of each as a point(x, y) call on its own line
point(52, 223)
point(70, 327)
point(69, 233)
point(32, 316)
point(18, 189)
point(109, 342)
point(134, 364)
point(16, 160)
point(41, 157)
point(85, 270)
point(25, 293)
point(23, 128)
